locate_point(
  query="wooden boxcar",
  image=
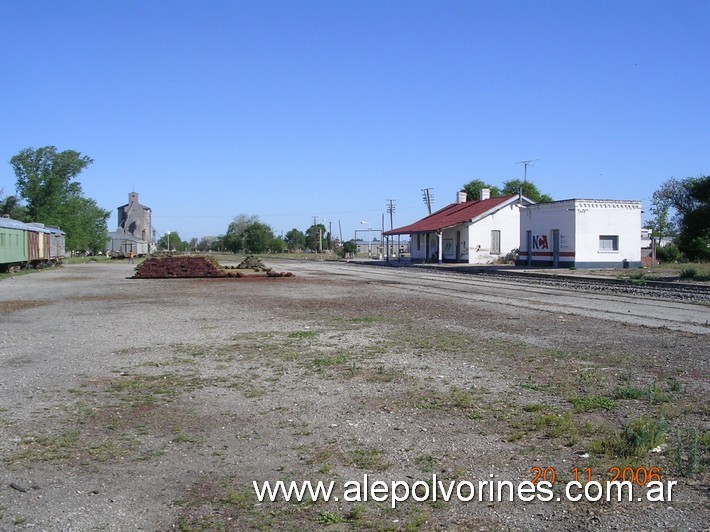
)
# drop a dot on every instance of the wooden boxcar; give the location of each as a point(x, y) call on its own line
point(57, 246)
point(40, 245)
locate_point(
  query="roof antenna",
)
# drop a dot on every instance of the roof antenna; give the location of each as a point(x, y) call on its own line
point(527, 163)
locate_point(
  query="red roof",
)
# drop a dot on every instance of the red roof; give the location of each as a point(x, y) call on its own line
point(451, 215)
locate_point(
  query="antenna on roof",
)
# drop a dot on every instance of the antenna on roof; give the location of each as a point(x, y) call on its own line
point(428, 197)
point(527, 163)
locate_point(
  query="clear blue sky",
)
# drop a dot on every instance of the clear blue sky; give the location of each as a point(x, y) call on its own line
point(294, 109)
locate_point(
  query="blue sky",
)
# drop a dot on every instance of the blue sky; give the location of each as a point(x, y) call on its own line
point(294, 109)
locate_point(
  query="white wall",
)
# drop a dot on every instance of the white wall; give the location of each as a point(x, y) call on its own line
point(474, 239)
point(541, 220)
point(507, 221)
point(421, 254)
point(580, 224)
point(613, 218)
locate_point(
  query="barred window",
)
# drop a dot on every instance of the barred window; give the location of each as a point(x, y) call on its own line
point(608, 242)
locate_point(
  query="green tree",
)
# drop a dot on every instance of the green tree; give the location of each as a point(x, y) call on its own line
point(660, 223)
point(473, 189)
point(233, 240)
point(685, 204)
point(529, 190)
point(295, 240)
point(315, 233)
point(348, 248)
point(45, 179)
point(85, 224)
point(258, 238)
point(46, 182)
point(277, 245)
point(171, 241)
point(10, 206)
point(694, 235)
point(208, 243)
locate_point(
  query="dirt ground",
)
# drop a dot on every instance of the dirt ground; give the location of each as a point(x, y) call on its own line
point(154, 404)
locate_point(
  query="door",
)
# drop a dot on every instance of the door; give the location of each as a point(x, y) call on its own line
point(528, 246)
point(555, 248)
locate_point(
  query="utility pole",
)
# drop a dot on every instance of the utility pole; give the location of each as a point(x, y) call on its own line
point(428, 197)
point(315, 226)
point(390, 210)
point(527, 163)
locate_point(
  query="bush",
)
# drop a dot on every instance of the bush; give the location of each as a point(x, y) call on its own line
point(696, 249)
point(348, 248)
point(669, 253)
point(511, 256)
point(636, 440)
point(688, 273)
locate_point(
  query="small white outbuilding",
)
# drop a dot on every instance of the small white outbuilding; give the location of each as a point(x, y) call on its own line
point(581, 233)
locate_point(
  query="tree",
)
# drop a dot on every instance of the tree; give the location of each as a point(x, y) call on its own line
point(10, 206)
point(660, 222)
point(314, 234)
point(473, 189)
point(233, 240)
point(348, 249)
point(171, 241)
point(208, 243)
point(246, 233)
point(45, 181)
point(258, 238)
point(529, 190)
point(295, 240)
point(689, 202)
point(277, 245)
point(694, 237)
point(85, 224)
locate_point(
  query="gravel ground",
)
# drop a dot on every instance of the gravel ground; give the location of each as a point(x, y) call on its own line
point(153, 404)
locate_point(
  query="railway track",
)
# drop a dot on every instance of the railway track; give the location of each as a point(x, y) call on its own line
point(688, 292)
point(654, 289)
point(675, 307)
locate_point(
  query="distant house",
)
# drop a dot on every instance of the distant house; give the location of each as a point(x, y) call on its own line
point(581, 233)
point(474, 232)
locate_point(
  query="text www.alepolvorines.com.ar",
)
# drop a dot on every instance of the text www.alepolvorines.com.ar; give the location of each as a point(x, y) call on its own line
point(397, 491)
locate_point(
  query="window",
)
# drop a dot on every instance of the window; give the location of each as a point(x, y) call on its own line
point(419, 241)
point(495, 241)
point(608, 242)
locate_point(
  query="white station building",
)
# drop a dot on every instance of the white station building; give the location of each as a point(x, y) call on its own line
point(581, 233)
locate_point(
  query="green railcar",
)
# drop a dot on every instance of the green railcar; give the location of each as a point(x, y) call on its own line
point(13, 243)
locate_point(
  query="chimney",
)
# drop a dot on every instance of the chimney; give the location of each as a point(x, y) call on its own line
point(485, 193)
point(461, 197)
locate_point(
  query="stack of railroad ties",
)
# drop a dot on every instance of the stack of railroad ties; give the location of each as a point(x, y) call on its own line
point(194, 266)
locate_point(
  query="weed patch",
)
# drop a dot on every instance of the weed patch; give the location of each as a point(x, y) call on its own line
point(592, 402)
point(635, 440)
